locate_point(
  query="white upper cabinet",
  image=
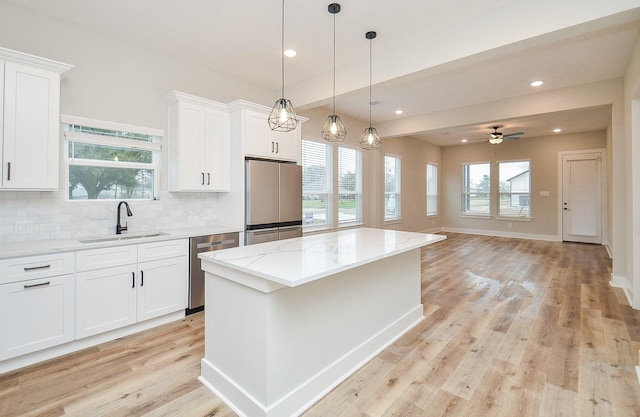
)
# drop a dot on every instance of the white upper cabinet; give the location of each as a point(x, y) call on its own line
point(262, 142)
point(198, 144)
point(30, 125)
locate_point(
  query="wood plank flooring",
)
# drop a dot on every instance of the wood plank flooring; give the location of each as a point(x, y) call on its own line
point(513, 328)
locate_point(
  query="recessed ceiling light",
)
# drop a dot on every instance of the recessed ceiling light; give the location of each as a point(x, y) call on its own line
point(399, 111)
point(465, 140)
point(537, 83)
point(290, 53)
point(557, 130)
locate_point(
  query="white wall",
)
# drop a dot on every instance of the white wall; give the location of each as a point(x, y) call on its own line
point(626, 272)
point(543, 154)
point(112, 81)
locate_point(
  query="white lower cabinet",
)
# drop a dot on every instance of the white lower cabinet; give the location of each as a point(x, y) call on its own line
point(134, 283)
point(106, 300)
point(159, 291)
point(36, 314)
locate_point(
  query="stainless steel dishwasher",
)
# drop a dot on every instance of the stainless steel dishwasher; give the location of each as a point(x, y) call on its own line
point(199, 244)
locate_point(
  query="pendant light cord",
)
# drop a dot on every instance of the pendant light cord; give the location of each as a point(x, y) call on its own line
point(282, 50)
point(334, 63)
point(370, 80)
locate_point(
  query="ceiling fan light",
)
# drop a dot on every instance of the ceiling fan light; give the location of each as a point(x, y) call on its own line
point(334, 130)
point(495, 140)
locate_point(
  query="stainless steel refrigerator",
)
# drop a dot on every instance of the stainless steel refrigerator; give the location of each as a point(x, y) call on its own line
point(273, 208)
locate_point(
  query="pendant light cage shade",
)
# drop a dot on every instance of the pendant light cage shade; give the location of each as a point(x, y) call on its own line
point(370, 140)
point(283, 117)
point(333, 129)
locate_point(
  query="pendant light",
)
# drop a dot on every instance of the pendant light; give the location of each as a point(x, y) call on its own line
point(283, 117)
point(370, 140)
point(334, 130)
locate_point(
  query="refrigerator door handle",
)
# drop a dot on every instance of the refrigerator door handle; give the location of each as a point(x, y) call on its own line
point(289, 229)
point(263, 231)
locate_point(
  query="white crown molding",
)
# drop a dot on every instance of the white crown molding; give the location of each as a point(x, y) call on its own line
point(10, 55)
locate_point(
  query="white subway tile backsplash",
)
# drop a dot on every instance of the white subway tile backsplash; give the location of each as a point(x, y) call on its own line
point(57, 218)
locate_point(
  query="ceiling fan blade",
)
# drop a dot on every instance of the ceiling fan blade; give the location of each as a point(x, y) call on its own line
point(513, 134)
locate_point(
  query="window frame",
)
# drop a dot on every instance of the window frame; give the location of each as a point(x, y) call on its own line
point(466, 192)
point(397, 192)
point(329, 163)
point(71, 138)
point(499, 214)
point(358, 186)
point(428, 192)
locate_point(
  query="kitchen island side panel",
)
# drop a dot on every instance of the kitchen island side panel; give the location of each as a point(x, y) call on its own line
point(277, 352)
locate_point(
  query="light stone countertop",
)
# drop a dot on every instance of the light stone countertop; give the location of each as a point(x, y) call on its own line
point(296, 261)
point(42, 247)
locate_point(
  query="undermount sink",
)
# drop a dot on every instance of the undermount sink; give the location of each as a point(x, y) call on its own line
point(126, 236)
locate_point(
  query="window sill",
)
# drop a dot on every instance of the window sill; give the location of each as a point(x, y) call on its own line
point(393, 221)
point(476, 216)
point(316, 229)
point(350, 225)
point(514, 218)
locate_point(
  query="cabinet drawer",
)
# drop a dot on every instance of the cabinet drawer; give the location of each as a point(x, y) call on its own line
point(106, 257)
point(162, 250)
point(31, 267)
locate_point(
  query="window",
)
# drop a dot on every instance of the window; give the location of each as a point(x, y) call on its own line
point(391, 187)
point(432, 190)
point(107, 161)
point(476, 189)
point(316, 183)
point(515, 187)
point(349, 186)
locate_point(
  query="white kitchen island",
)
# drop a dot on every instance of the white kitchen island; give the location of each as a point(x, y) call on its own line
point(287, 321)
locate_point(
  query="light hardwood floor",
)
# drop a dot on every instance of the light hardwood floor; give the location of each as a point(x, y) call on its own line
point(513, 328)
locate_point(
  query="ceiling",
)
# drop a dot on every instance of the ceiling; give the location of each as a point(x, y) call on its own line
point(426, 59)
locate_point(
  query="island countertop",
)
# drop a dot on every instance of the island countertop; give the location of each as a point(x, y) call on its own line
point(293, 262)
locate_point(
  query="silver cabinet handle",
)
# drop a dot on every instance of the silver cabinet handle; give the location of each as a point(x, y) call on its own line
point(277, 147)
point(8, 171)
point(203, 178)
point(32, 268)
point(141, 278)
point(208, 178)
point(42, 284)
point(133, 280)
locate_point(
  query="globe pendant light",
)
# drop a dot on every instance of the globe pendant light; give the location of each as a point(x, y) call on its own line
point(334, 130)
point(283, 117)
point(370, 140)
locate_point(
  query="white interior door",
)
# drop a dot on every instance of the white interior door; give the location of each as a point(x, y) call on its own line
point(582, 198)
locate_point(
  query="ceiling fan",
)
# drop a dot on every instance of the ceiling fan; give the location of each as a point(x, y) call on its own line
point(496, 137)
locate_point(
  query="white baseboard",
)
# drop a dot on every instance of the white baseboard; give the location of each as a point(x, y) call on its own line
point(621, 282)
point(529, 236)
